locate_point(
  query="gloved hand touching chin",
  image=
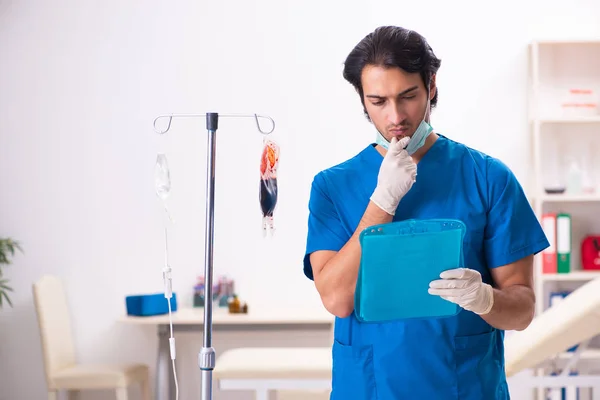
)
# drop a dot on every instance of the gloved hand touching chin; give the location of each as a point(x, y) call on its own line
point(464, 287)
point(396, 176)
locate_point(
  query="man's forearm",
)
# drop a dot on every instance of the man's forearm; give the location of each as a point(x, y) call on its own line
point(336, 282)
point(513, 308)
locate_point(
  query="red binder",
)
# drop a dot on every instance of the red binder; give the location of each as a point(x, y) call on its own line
point(549, 264)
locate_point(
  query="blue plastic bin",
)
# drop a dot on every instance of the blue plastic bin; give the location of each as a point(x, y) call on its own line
point(149, 304)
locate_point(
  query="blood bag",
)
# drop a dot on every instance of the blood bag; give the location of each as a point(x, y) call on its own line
point(268, 183)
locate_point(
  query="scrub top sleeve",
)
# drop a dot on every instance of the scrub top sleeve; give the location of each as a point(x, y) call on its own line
point(325, 229)
point(513, 231)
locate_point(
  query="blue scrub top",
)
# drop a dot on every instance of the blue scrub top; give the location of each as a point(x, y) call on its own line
point(460, 357)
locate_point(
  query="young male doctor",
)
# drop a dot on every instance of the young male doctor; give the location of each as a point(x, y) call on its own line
point(414, 172)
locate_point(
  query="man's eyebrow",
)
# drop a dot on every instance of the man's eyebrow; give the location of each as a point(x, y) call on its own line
point(373, 96)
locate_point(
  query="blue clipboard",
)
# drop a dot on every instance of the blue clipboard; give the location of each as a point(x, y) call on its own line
point(398, 262)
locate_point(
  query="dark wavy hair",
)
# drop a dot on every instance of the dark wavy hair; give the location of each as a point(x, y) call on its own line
point(392, 46)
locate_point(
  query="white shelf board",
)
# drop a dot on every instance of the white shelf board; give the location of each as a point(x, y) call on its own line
point(569, 198)
point(587, 354)
point(592, 119)
point(566, 41)
point(571, 276)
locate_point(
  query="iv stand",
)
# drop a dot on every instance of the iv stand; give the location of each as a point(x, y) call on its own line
point(206, 357)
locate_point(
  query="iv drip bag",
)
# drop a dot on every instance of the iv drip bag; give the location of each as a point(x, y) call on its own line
point(162, 178)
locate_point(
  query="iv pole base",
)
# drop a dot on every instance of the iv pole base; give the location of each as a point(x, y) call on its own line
point(206, 362)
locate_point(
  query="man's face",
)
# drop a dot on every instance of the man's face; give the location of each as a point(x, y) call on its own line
point(395, 100)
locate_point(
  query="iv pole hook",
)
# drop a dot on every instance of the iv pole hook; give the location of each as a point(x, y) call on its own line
point(258, 124)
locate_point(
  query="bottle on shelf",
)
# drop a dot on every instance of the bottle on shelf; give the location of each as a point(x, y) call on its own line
point(574, 178)
point(234, 305)
point(199, 292)
point(588, 185)
point(226, 292)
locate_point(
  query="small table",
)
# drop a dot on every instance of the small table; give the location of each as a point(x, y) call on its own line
point(192, 320)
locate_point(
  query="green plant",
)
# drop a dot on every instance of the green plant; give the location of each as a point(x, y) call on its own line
point(7, 250)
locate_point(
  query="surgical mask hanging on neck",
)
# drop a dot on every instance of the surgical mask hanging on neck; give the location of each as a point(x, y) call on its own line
point(417, 140)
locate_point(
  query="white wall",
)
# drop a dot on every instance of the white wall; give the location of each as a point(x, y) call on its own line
point(80, 84)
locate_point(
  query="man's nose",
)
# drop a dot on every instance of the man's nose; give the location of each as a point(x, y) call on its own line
point(396, 115)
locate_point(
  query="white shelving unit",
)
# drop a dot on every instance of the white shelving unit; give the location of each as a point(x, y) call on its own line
point(559, 139)
point(568, 198)
point(578, 276)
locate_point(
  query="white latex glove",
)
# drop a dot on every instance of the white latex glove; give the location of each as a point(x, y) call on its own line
point(464, 287)
point(396, 176)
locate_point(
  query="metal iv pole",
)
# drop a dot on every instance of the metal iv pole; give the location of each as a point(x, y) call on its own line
point(206, 357)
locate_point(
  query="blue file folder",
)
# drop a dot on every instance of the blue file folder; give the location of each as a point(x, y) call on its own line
point(398, 262)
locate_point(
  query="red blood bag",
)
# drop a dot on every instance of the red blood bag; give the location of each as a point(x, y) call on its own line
point(268, 183)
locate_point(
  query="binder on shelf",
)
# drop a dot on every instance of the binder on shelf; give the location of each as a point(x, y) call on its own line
point(549, 257)
point(563, 243)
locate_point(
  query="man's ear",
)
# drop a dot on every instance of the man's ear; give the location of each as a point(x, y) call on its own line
point(432, 87)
